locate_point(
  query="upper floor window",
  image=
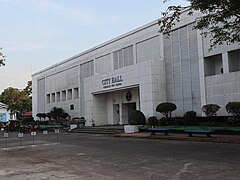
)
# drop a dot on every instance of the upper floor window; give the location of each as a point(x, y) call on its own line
point(213, 65)
point(48, 98)
point(87, 69)
point(76, 93)
point(123, 57)
point(69, 94)
point(53, 97)
point(58, 96)
point(64, 95)
point(234, 60)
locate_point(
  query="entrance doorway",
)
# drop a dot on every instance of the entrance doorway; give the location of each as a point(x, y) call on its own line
point(116, 115)
point(127, 109)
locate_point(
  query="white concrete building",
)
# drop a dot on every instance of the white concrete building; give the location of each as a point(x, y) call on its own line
point(139, 70)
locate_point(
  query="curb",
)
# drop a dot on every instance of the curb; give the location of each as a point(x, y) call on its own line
point(213, 139)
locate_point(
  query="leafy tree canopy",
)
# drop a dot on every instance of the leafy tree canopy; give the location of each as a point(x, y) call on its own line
point(220, 17)
point(28, 88)
point(57, 113)
point(233, 108)
point(166, 108)
point(210, 109)
point(16, 99)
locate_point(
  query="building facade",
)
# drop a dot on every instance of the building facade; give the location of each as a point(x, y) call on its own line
point(5, 114)
point(139, 70)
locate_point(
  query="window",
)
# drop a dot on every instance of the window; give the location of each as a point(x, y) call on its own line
point(53, 97)
point(64, 95)
point(123, 57)
point(213, 65)
point(72, 107)
point(75, 93)
point(48, 98)
point(234, 60)
point(58, 96)
point(69, 94)
point(87, 69)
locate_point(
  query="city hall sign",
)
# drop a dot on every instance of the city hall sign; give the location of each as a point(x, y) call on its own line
point(112, 81)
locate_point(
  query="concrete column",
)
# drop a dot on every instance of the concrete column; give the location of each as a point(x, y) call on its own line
point(134, 54)
point(225, 62)
point(201, 68)
point(120, 109)
point(137, 100)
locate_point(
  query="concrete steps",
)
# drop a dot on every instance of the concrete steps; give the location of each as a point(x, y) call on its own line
point(99, 130)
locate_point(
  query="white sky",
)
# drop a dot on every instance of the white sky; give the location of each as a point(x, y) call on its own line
point(35, 34)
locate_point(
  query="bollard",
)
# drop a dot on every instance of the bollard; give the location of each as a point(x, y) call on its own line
point(45, 132)
point(20, 136)
point(57, 132)
point(33, 134)
point(5, 135)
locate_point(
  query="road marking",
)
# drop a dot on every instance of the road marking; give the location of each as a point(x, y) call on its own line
point(184, 169)
point(32, 145)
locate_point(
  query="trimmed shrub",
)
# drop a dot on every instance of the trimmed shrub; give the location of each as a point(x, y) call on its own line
point(233, 108)
point(210, 109)
point(137, 118)
point(166, 109)
point(153, 121)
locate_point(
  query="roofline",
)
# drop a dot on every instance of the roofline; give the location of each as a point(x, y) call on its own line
point(99, 46)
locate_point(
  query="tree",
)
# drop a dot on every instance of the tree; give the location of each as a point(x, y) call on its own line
point(57, 113)
point(166, 109)
point(2, 58)
point(28, 88)
point(210, 109)
point(233, 108)
point(221, 18)
point(16, 99)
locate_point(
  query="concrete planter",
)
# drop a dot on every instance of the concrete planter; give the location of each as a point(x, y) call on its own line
point(130, 128)
point(73, 126)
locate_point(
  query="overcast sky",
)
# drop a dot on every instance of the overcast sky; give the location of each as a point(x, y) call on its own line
point(35, 34)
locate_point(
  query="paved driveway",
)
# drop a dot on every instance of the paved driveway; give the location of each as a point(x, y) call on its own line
point(100, 157)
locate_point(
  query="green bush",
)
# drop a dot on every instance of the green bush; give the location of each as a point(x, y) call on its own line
point(234, 121)
point(153, 121)
point(190, 118)
point(166, 109)
point(210, 109)
point(165, 122)
point(233, 108)
point(137, 118)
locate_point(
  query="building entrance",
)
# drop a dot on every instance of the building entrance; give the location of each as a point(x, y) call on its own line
point(127, 109)
point(116, 114)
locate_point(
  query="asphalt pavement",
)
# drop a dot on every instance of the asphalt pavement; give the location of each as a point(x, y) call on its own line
point(103, 157)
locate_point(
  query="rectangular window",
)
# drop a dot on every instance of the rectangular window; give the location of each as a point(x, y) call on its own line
point(69, 94)
point(87, 69)
point(234, 60)
point(48, 98)
point(58, 96)
point(123, 57)
point(64, 95)
point(76, 93)
point(72, 107)
point(53, 97)
point(213, 65)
